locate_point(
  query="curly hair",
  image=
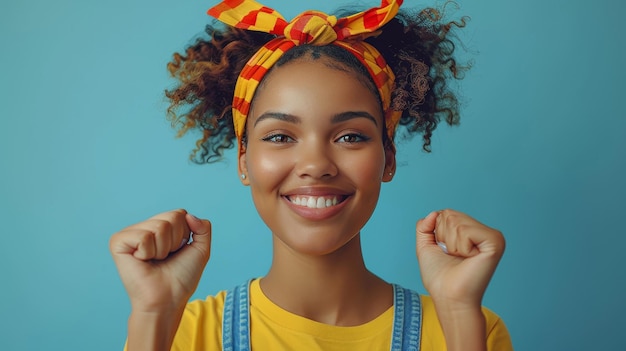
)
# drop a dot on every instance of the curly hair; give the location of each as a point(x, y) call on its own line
point(418, 47)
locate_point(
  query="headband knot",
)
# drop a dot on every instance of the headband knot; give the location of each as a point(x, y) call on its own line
point(312, 27)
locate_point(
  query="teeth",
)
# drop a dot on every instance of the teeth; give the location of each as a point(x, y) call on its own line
point(314, 201)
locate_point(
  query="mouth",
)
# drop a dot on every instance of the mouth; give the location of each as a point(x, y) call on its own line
point(316, 201)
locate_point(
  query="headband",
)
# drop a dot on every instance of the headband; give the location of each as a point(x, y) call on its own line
point(313, 28)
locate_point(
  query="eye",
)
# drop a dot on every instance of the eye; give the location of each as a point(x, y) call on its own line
point(278, 138)
point(353, 138)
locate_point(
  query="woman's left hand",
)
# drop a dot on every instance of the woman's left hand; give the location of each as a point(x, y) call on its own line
point(458, 277)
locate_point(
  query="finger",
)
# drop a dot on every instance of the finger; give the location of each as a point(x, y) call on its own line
point(136, 242)
point(168, 231)
point(164, 231)
point(466, 247)
point(426, 225)
point(458, 232)
point(201, 239)
point(179, 233)
point(448, 232)
point(439, 232)
point(425, 229)
point(442, 237)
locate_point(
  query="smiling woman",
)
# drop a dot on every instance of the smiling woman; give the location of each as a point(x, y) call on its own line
point(329, 148)
point(313, 107)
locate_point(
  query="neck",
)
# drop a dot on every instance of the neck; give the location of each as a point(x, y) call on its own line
point(331, 288)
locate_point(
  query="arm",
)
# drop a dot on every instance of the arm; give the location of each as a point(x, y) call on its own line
point(153, 332)
point(462, 329)
point(160, 272)
point(457, 279)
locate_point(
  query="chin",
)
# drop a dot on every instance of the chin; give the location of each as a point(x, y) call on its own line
point(315, 243)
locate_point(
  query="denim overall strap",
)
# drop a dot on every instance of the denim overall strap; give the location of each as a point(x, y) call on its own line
point(407, 320)
point(406, 323)
point(236, 319)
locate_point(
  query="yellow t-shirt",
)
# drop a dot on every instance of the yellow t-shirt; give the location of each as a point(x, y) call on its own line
point(273, 328)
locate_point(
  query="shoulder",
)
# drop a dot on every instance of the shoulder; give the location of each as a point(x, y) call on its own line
point(201, 325)
point(498, 337)
point(209, 306)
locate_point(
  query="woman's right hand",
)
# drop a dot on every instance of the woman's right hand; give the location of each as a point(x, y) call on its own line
point(159, 270)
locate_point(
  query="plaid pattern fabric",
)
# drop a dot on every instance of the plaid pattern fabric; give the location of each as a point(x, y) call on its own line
point(314, 28)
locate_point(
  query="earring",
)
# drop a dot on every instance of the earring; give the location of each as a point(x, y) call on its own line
point(243, 176)
point(390, 173)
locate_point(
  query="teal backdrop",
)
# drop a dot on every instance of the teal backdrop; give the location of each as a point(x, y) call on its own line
point(85, 150)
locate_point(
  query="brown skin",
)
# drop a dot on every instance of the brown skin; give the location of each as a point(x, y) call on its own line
point(317, 270)
point(457, 281)
point(160, 273)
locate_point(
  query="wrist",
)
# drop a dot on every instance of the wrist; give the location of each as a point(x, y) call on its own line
point(154, 331)
point(463, 325)
point(151, 306)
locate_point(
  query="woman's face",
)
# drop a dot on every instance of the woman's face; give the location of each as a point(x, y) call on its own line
point(314, 157)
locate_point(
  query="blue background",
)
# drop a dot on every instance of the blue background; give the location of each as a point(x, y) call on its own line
point(85, 150)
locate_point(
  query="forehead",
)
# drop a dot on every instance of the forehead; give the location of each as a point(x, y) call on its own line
point(333, 56)
point(315, 82)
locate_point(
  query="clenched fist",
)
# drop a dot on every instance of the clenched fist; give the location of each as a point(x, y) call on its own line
point(159, 267)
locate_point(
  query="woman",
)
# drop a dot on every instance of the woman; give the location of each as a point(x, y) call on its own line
point(315, 106)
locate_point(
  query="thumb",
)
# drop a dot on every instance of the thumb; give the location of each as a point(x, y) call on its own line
point(201, 229)
point(425, 230)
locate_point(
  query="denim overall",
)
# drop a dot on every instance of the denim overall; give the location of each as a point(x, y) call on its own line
point(406, 321)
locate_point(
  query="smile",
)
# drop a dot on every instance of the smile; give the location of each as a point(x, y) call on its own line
point(316, 201)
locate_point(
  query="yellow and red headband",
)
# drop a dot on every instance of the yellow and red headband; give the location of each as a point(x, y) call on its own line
point(314, 28)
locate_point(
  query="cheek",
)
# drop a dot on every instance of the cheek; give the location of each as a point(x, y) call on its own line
point(265, 169)
point(367, 167)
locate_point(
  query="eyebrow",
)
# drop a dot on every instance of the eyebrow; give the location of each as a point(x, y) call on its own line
point(280, 116)
point(338, 118)
point(345, 116)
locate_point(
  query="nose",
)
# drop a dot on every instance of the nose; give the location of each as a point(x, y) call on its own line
point(316, 161)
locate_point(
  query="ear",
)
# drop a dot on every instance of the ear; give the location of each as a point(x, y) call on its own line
point(243, 165)
point(390, 162)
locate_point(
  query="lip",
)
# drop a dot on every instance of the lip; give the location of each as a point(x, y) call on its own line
point(317, 214)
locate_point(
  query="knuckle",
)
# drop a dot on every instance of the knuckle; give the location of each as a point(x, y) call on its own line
point(447, 211)
point(119, 238)
point(453, 222)
point(178, 213)
point(146, 237)
point(162, 226)
point(113, 240)
point(499, 237)
point(169, 215)
point(462, 228)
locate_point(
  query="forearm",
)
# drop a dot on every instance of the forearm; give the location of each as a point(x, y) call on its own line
point(463, 328)
point(152, 331)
